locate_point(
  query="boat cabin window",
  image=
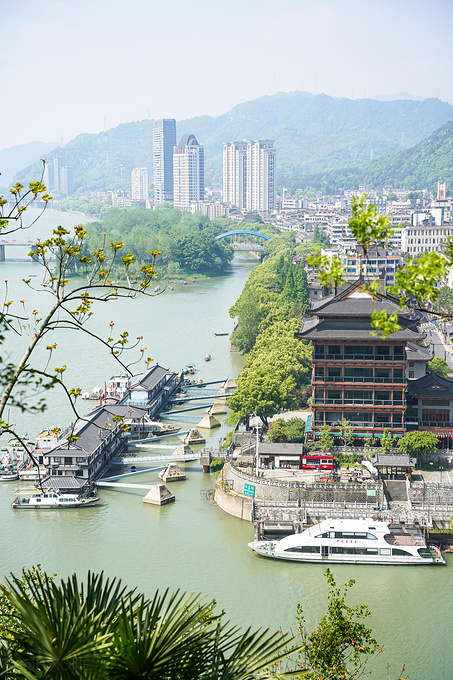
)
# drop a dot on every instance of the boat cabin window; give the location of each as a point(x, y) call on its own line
point(348, 535)
point(424, 552)
point(303, 549)
point(385, 551)
point(341, 550)
point(399, 551)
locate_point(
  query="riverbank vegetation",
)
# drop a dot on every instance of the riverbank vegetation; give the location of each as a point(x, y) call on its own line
point(186, 242)
point(277, 372)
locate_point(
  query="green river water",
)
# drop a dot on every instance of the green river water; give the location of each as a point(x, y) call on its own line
point(192, 544)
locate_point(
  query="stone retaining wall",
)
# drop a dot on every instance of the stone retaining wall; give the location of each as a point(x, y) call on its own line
point(233, 503)
point(271, 490)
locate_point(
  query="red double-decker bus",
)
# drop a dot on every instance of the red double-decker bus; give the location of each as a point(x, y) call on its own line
point(317, 461)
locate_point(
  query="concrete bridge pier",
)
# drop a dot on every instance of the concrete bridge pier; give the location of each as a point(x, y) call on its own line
point(2, 253)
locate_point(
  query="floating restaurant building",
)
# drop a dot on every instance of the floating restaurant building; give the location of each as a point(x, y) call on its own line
point(83, 452)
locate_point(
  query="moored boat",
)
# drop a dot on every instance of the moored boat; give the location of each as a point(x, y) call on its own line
point(356, 541)
point(34, 499)
point(8, 474)
point(207, 357)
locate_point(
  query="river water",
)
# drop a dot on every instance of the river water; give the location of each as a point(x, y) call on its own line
point(191, 544)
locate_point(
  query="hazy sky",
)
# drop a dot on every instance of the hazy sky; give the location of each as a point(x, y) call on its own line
point(71, 66)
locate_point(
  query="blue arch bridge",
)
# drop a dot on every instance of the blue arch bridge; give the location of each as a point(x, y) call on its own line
point(243, 239)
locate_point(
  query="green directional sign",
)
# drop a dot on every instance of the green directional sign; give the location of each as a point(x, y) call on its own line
point(249, 490)
point(370, 492)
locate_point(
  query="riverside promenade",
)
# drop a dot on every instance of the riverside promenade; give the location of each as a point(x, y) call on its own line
point(288, 505)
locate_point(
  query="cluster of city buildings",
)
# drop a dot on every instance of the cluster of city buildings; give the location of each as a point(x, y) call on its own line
point(249, 174)
point(58, 178)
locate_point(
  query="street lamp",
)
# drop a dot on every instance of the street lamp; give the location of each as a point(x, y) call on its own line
point(256, 449)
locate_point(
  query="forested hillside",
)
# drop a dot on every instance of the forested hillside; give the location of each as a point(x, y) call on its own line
point(312, 133)
point(420, 167)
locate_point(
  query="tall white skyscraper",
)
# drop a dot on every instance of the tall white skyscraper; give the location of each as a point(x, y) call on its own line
point(164, 141)
point(261, 165)
point(188, 172)
point(249, 177)
point(140, 184)
point(234, 173)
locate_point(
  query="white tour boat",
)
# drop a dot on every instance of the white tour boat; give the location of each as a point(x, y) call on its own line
point(356, 541)
point(35, 499)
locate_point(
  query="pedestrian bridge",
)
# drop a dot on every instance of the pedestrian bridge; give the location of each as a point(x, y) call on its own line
point(244, 239)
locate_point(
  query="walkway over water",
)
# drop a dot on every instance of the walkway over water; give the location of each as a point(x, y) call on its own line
point(250, 243)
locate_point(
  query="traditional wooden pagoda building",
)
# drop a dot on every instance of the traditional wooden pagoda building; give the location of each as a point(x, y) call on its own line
point(430, 405)
point(356, 375)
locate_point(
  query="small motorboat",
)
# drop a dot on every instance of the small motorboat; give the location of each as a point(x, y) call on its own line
point(222, 333)
point(8, 474)
point(207, 357)
point(157, 289)
point(184, 283)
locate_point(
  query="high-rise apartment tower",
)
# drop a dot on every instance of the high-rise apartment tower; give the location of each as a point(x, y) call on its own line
point(164, 141)
point(234, 173)
point(249, 174)
point(139, 184)
point(261, 165)
point(188, 172)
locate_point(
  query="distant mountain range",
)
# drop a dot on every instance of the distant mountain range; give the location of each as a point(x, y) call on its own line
point(314, 135)
point(15, 158)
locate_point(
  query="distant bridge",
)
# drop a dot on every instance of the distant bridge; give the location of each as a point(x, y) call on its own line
point(12, 242)
point(249, 243)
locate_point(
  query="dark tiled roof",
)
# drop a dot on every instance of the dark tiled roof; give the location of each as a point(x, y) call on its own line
point(126, 411)
point(416, 352)
point(395, 460)
point(69, 482)
point(431, 386)
point(342, 304)
point(90, 434)
point(150, 379)
point(353, 329)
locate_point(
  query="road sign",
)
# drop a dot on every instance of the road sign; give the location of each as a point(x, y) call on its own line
point(370, 492)
point(249, 490)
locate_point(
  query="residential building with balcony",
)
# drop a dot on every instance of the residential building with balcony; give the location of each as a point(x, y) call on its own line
point(358, 376)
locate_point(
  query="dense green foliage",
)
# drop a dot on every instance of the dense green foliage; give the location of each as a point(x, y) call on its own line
point(387, 442)
point(276, 290)
point(278, 367)
point(186, 241)
point(439, 367)
point(313, 133)
point(418, 443)
point(275, 296)
point(292, 431)
point(340, 647)
point(100, 629)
